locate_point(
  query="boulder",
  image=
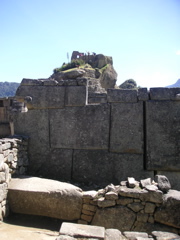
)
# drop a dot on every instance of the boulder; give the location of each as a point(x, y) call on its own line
point(45, 197)
point(163, 183)
point(108, 77)
point(169, 212)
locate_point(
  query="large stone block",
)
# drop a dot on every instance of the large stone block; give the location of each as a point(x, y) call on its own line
point(34, 124)
point(76, 96)
point(42, 97)
point(163, 134)
point(119, 95)
point(82, 231)
point(164, 93)
point(59, 165)
point(112, 218)
point(45, 197)
point(80, 127)
point(101, 167)
point(126, 135)
point(169, 212)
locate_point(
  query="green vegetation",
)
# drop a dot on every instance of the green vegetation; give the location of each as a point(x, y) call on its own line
point(72, 64)
point(129, 84)
point(8, 89)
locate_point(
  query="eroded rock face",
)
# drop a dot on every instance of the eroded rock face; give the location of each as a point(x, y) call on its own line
point(37, 196)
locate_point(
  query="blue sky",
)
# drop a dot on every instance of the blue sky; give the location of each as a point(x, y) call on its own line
point(142, 36)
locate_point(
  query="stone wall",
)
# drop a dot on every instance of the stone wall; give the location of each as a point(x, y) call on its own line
point(13, 161)
point(116, 135)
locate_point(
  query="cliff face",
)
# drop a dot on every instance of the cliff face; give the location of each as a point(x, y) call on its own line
point(98, 71)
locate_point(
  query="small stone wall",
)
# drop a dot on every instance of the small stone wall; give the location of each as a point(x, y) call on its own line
point(13, 161)
point(145, 206)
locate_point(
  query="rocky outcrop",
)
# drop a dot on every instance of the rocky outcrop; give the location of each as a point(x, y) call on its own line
point(98, 71)
point(37, 196)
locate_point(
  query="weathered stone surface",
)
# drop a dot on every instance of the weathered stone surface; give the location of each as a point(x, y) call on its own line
point(136, 207)
point(108, 77)
point(35, 124)
point(143, 94)
point(111, 196)
point(89, 207)
point(37, 196)
point(42, 97)
point(65, 237)
point(142, 217)
point(86, 218)
point(59, 165)
point(102, 163)
point(89, 194)
point(135, 235)
point(74, 73)
point(86, 212)
point(89, 125)
point(174, 178)
point(103, 203)
point(145, 182)
point(152, 196)
point(126, 128)
point(163, 93)
point(110, 218)
point(131, 182)
point(165, 235)
point(149, 207)
point(76, 96)
point(80, 230)
point(124, 201)
point(151, 187)
point(163, 183)
point(149, 227)
point(163, 145)
point(113, 234)
point(119, 95)
point(169, 212)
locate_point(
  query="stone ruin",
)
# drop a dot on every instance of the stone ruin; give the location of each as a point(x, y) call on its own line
point(69, 128)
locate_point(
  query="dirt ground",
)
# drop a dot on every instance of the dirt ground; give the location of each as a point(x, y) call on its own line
point(25, 227)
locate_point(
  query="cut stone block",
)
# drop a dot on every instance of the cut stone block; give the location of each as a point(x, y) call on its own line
point(112, 218)
point(42, 97)
point(116, 167)
point(126, 134)
point(80, 127)
point(162, 130)
point(164, 93)
point(76, 96)
point(169, 212)
point(34, 124)
point(81, 230)
point(143, 94)
point(59, 165)
point(45, 197)
point(119, 95)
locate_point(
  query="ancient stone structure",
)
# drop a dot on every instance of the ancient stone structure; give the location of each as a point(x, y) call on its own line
point(13, 161)
point(128, 133)
point(137, 206)
point(7, 106)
